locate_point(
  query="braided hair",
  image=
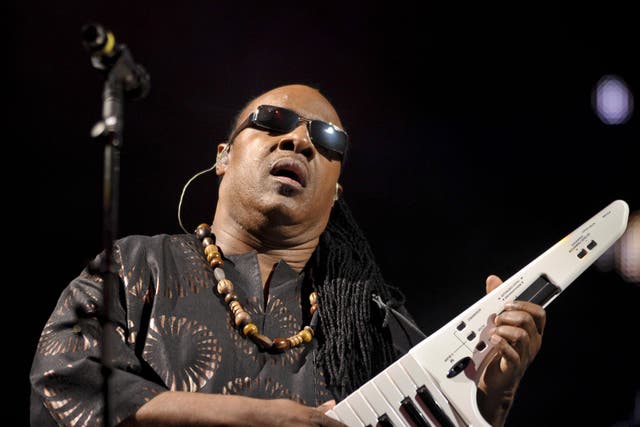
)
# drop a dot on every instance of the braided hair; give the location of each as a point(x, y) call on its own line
point(355, 346)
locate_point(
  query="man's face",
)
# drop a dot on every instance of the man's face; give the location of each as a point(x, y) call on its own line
point(283, 175)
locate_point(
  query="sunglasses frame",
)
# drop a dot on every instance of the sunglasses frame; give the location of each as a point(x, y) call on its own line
point(252, 120)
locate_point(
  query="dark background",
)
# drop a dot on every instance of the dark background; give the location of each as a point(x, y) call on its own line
point(474, 148)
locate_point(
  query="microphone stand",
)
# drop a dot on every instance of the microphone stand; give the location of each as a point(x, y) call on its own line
point(111, 126)
point(123, 79)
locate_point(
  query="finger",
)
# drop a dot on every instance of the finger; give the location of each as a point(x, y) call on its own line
point(517, 338)
point(321, 419)
point(519, 319)
point(508, 354)
point(492, 282)
point(518, 327)
point(329, 404)
point(537, 313)
point(331, 422)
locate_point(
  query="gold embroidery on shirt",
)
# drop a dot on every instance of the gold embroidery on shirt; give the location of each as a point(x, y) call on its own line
point(183, 352)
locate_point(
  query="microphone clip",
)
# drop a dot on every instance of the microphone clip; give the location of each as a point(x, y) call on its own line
point(115, 60)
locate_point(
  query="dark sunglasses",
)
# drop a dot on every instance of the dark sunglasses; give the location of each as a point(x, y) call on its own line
point(283, 120)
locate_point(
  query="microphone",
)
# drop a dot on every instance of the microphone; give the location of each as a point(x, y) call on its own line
point(107, 55)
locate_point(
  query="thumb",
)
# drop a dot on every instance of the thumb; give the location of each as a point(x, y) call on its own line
point(492, 282)
point(329, 404)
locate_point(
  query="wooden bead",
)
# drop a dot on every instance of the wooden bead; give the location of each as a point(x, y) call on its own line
point(313, 309)
point(235, 306)
point(294, 341)
point(250, 329)
point(203, 231)
point(242, 318)
point(225, 286)
point(313, 298)
point(216, 262)
point(211, 249)
point(281, 343)
point(230, 297)
point(237, 309)
point(306, 335)
point(263, 341)
point(211, 257)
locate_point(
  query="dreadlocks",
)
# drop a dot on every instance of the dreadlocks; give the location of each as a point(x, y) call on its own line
point(355, 346)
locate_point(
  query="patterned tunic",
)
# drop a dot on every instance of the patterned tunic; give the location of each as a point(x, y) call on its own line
point(173, 333)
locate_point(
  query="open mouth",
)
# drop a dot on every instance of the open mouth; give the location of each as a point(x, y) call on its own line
point(291, 170)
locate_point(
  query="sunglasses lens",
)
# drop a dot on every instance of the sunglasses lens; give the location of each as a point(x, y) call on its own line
point(276, 119)
point(280, 119)
point(328, 136)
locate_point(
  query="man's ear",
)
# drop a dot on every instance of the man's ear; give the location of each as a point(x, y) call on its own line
point(222, 158)
point(336, 196)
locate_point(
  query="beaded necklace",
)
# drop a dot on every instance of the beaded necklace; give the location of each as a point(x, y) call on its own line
point(241, 318)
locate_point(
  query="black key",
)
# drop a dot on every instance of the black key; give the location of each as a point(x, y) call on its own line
point(433, 406)
point(413, 413)
point(384, 421)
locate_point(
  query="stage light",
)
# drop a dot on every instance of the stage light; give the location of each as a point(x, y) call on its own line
point(612, 100)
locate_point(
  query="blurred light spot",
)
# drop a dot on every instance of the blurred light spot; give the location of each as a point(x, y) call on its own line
point(612, 100)
point(624, 255)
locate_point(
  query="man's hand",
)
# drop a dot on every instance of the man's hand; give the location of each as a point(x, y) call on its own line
point(517, 337)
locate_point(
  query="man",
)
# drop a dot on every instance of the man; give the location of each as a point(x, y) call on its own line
point(267, 314)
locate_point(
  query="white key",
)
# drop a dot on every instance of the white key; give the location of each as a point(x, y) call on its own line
point(361, 407)
point(377, 401)
point(347, 415)
point(389, 390)
point(402, 380)
point(332, 414)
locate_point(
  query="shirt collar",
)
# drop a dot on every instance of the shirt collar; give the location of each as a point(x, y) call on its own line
point(247, 265)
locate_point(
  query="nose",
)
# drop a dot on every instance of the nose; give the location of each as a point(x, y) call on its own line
point(298, 141)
